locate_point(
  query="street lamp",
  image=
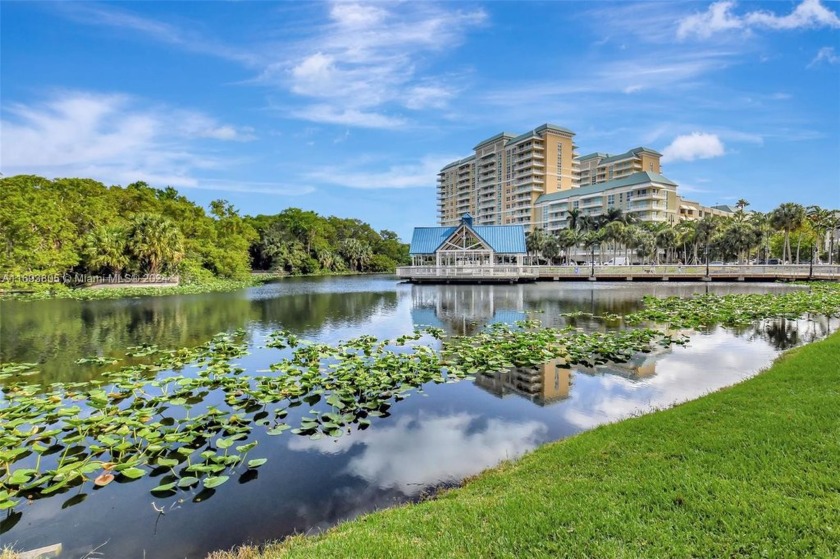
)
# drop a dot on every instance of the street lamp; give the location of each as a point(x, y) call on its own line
point(706, 253)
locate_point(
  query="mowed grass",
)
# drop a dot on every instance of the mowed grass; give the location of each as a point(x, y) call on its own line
point(750, 471)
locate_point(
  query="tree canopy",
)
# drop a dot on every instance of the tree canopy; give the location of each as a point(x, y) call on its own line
point(73, 225)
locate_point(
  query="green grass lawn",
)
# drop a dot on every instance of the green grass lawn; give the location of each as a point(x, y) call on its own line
point(750, 471)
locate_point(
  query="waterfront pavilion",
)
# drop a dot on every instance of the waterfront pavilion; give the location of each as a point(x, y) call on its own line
point(468, 245)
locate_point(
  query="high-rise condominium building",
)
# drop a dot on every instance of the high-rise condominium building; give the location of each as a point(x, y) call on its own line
point(500, 183)
point(535, 179)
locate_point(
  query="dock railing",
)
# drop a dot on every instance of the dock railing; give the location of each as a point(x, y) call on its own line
point(736, 272)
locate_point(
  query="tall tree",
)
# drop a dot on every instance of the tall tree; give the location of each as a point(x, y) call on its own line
point(156, 243)
point(105, 249)
point(787, 217)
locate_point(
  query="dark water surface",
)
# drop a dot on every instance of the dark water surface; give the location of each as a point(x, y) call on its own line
point(437, 437)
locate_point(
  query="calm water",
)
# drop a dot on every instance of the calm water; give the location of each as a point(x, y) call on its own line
point(448, 432)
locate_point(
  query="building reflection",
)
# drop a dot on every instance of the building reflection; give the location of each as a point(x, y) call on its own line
point(640, 367)
point(543, 385)
point(465, 309)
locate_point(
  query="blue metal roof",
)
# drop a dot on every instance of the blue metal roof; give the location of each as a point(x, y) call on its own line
point(504, 239)
point(426, 240)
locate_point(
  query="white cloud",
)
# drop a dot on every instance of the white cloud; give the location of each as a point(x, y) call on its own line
point(111, 137)
point(92, 14)
point(697, 145)
point(808, 14)
point(422, 174)
point(720, 17)
point(330, 114)
point(717, 18)
point(369, 57)
point(827, 55)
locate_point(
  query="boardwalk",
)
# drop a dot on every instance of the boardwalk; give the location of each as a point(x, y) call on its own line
point(510, 274)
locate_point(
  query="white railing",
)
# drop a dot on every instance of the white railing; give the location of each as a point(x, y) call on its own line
point(792, 271)
point(467, 272)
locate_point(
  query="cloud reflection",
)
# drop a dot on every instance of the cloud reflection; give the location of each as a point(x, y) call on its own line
point(708, 363)
point(424, 450)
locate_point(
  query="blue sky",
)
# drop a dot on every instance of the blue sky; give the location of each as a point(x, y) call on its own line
point(351, 108)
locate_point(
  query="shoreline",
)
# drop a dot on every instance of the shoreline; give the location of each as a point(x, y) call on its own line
point(686, 481)
point(135, 290)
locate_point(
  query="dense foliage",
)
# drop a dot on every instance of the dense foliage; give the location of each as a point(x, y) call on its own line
point(790, 233)
point(82, 227)
point(302, 242)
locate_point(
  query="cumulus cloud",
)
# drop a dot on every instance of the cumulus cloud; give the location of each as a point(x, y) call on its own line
point(720, 17)
point(114, 138)
point(697, 145)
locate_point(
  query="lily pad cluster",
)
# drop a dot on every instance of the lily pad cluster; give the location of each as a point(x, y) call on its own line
point(138, 423)
point(132, 426)
point(738, 309)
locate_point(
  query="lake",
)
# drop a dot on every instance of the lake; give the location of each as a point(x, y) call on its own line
point(433, 439)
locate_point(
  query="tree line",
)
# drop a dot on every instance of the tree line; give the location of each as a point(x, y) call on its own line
point(81, 226)
point(790, 233)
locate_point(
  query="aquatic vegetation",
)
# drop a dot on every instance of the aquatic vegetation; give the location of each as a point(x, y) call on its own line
point(192, 418)
point(135, 425)
point(85, 294)
point(738, 309)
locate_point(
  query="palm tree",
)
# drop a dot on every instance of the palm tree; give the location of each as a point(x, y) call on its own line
point(687, 235)
point(587, 223)
point(833, 223)
point(706, 228)
point(787, 217)
point(761, 223)
point(738, 238)
point(666, 239)
point(105, 248)
point(821, 221)
point(551, 248)
point(535, 242)
point(573, 215)
point(567, 238)
point(356, 252)
point(740, 214)
point(156, 243)
point(614, 214)
point(614, 231)
point(590, 240)
point(645, 244)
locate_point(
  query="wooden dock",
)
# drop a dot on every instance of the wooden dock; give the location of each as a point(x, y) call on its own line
point(670, 272)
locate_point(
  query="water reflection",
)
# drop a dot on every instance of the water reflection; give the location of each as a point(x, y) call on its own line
point(454, 431)
point(466, 309)
point(56, 333)
point(544, 384)
point(425, 449)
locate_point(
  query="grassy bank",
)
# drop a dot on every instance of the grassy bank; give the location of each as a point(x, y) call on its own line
point(750, 471)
